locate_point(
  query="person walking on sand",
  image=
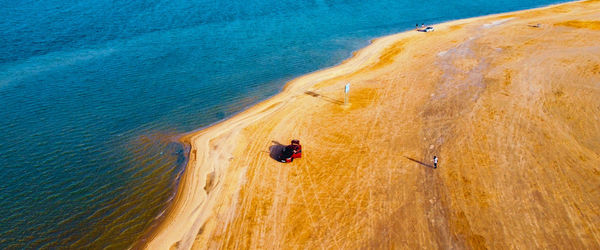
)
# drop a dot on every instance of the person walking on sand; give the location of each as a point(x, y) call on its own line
point(435, 160)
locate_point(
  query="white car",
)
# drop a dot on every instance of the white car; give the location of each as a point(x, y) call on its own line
point(428, 29)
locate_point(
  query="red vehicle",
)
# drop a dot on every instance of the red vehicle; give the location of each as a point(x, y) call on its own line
point(291, 152)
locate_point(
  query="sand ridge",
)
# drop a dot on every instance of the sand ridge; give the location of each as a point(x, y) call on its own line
point(510, 108)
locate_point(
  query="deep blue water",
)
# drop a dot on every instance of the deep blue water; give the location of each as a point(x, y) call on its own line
point(93, 94)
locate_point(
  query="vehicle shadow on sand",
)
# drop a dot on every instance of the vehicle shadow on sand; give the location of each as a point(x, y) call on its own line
point(276, 150)
point(420, 162)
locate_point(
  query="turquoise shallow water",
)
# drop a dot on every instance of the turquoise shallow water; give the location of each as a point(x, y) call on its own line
point(93, 95)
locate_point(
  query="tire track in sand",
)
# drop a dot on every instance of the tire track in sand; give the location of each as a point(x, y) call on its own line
point(460, 85)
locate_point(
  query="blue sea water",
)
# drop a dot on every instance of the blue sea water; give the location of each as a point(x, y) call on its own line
point(93, 95)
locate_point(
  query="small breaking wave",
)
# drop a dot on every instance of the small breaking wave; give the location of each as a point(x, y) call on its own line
point(46, 63)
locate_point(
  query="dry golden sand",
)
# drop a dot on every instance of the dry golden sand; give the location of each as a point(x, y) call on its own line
point(511, 110)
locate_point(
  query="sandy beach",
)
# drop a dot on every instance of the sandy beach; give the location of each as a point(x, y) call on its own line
point(510, 103)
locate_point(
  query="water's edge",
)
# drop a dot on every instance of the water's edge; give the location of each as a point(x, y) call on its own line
point(185, 138)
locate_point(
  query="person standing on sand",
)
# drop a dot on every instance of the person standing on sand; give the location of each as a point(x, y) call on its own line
point(435, 160)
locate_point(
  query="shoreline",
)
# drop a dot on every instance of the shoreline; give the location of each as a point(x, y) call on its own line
point(159, 219)
point(205, 179)
point(257, 109)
